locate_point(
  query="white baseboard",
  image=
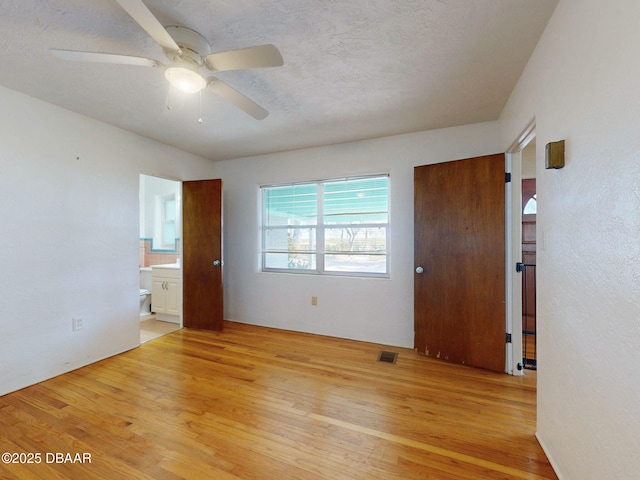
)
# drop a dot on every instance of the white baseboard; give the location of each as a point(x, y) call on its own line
point(553, 463)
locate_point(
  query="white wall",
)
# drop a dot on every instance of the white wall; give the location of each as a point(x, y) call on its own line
point(529, 160)
point(69, 247)
point(581, 85)
point(376, 310)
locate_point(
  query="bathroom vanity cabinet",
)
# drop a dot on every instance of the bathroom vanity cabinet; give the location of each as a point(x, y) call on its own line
point(165, 292)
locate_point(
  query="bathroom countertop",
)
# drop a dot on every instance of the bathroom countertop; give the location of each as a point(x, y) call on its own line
point(174, 266)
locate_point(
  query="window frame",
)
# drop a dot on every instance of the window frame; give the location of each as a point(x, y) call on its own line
point(320, 227)
point(165, 242)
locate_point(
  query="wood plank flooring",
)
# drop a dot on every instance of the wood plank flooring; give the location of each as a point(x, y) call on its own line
point(529, 347)
point(256, 403)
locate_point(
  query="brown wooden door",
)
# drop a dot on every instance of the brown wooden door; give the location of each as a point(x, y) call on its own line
point(459, 242)
point(202, 298)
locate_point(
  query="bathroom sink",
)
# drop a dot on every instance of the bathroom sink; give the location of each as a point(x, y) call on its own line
point(175, 266)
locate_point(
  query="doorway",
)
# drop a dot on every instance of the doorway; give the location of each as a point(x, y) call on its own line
point(528, 213)
point(159, 256)
point(521, 235)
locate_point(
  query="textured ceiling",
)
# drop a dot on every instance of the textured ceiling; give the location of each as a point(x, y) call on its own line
point(354, 69)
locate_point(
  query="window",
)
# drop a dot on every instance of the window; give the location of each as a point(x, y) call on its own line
point(532, 206)
point(338, 227)
point(168, 221)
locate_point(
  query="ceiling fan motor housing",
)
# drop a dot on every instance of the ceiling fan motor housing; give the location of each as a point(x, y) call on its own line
point(193, 46)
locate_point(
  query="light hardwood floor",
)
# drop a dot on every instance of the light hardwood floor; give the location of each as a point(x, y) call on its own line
point(529, 347)
point(256, 403)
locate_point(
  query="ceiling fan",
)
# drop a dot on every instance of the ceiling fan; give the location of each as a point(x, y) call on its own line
point(188, 52)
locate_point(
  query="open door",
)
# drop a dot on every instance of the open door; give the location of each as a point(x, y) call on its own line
point(459, 252)
point(202, 255)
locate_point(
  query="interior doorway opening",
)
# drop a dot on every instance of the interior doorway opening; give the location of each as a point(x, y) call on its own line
point(521, 252)
point(159, 256)
point(528, 266)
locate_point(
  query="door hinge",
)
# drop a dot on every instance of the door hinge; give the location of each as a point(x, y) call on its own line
point(508, 338)
point(507, 177)
point(519, 267)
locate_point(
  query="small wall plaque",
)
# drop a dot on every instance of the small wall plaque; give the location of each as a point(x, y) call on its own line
point(554, 155)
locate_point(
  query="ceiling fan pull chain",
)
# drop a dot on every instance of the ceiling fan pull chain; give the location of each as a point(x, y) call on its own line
point(168, 102)
point(200, 116)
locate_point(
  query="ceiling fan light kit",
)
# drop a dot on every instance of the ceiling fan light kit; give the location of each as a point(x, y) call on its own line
point(187, 60)
point(188, 52)
point(185, 79)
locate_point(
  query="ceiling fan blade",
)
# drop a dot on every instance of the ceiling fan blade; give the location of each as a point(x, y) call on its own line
point(236, 98)
point(252, 57)
point(149, 23)
point(96, 57)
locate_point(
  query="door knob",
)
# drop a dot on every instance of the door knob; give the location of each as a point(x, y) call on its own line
point(419, 270)
point(216, 263)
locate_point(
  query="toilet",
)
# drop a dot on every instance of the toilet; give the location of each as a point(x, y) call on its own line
point(145, 291)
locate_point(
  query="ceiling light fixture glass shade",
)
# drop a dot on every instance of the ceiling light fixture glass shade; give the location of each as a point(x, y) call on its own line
point(185, 79)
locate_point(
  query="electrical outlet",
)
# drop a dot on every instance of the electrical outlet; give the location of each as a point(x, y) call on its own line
point(314, 301)
point(77, 323)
